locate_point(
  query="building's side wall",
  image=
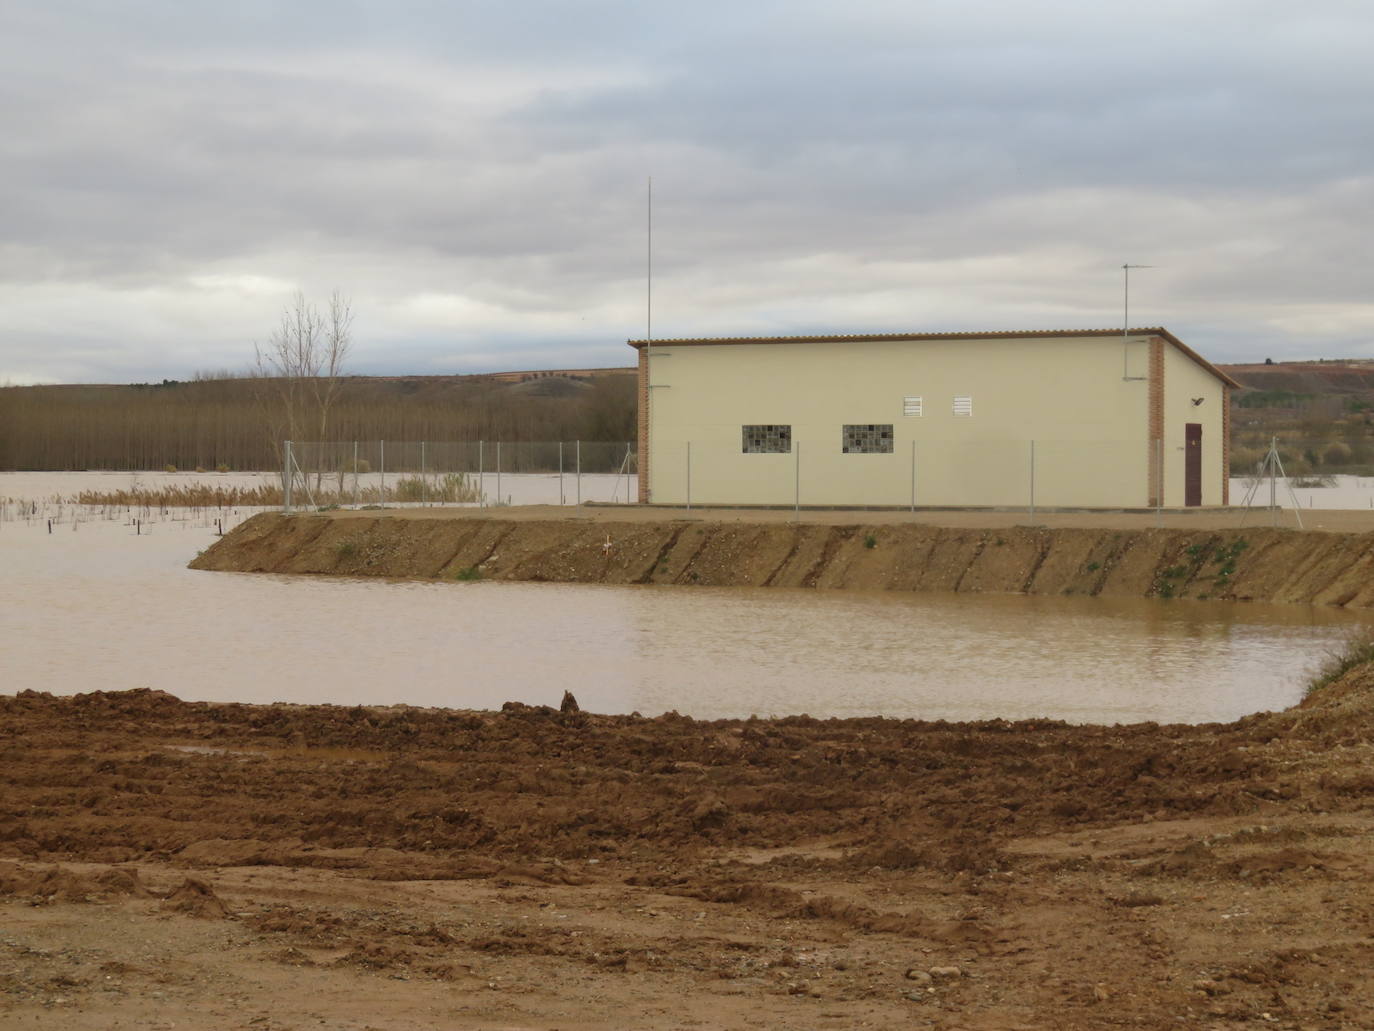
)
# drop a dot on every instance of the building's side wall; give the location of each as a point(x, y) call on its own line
point(1184, 380)
point(1089, 425)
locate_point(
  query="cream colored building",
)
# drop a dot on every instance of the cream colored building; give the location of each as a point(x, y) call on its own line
point(1072, 418)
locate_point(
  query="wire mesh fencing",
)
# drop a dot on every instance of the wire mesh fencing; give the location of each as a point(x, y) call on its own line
point(384, 473)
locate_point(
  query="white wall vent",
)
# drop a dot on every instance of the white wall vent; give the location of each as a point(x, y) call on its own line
point(963, 405)
point(911, 406)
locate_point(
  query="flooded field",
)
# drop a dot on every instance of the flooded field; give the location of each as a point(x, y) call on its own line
point(110, 605)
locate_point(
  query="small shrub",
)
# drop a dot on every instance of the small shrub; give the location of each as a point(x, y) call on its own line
point(1093, 567)
point(346, 549)
point(451, 488)
point(169, 468)
point(1357, 650)
point(222, 468)
point(200, 468)
point(468, 573)
point(870, 541)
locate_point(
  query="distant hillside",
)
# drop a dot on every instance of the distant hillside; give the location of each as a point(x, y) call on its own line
point(1322, 413)
point(214, 421)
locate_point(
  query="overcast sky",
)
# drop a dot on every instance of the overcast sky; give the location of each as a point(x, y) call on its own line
point(472, 175)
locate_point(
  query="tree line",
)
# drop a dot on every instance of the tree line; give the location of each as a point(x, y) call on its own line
point(222, 421)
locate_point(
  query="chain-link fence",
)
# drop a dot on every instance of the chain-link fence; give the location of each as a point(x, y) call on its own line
point(480, 473)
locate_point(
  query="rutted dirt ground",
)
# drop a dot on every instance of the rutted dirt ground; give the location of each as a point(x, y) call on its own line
point(1261, 564)
point(167, 864)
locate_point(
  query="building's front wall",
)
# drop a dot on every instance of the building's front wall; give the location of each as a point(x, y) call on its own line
point(1068, 395)
point(1185, 380)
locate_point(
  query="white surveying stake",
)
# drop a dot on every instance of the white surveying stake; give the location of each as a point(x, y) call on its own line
point(1271, 468)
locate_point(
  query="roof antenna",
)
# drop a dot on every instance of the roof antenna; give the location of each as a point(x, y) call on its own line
point(649, 273)
point(1126, 315)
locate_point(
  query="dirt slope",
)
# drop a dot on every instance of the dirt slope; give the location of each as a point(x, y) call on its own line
point(226, 866)
point(1258, 564)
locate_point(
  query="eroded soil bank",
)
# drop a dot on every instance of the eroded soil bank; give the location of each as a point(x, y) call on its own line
point(227, 866)
point(1270, 565)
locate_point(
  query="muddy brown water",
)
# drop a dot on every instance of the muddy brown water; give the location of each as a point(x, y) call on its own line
point(103, 608)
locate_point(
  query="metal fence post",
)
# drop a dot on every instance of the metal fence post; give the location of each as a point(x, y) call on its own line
point(913, 477)
point(689, 476)
point(579, 472)
point(481, 477)
point(1032, 481)
point(498, 473)
point(629, 450)
point(286, 478)
point(561, 498)
point(382, 458)
point(355, 474)
point(796, 481)
point(424, 484)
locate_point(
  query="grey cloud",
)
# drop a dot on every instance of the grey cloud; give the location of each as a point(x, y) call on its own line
point(876, 165)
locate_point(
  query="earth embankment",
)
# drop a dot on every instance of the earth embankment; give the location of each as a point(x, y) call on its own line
point(1269, 565)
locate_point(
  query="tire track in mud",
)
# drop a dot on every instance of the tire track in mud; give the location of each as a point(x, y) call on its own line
point(973, 560)
point(834, 540)
point(706, 534)
point(662, 557)
point(1044, 547)
point(798, 537)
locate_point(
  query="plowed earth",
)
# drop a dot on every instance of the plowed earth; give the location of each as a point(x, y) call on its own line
point(166, 864)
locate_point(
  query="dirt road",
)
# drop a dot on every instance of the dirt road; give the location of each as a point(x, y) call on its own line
point(199, 866)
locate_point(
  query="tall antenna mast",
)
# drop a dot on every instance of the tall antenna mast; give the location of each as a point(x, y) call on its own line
point(648, 325)
point(649, 270)
point(1126, 315)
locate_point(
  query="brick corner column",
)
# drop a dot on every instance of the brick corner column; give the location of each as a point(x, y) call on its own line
point(1156, 416)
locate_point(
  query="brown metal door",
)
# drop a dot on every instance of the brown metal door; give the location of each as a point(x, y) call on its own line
point(1192, 464)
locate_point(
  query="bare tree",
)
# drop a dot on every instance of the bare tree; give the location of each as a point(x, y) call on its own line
point(301, 368)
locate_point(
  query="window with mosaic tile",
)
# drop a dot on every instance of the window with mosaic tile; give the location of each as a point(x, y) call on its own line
point(868, 439)
point(767, 440)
